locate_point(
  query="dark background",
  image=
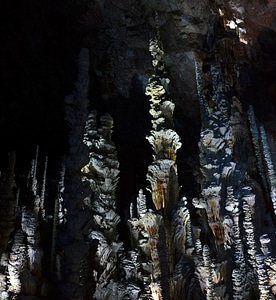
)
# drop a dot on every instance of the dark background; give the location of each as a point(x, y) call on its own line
point(39, 46)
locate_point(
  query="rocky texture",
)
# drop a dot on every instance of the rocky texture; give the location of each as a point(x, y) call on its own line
point(177, 201)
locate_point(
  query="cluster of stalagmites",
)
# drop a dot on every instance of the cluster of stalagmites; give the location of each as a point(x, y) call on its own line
point(21, 255)
point(228, 195)
point(223, 254)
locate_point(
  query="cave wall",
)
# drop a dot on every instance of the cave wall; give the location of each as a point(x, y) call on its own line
point(211, 51)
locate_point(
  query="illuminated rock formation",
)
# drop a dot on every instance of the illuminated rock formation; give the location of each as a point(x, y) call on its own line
point(190, 217)
point(101, 174)
point(21, 261)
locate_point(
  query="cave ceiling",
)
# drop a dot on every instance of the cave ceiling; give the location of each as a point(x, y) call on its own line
point(40, 43)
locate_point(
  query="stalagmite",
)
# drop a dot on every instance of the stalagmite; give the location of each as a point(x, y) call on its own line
point(265, 244)
point(58, 219)
point(101, 173)
point(256, 140)
point(8, 203)
point(78, 220)
point(271, 271)
point(42, 195)
point(270, 173)
point(207, 265)
point(263, 280)
point(204, 109)
point(141, 204)
point(159, 175)
point(165, 143)
point(248, 207)
point(182, 229)
point(17, 262)
point(33, 173)
point(162, 173)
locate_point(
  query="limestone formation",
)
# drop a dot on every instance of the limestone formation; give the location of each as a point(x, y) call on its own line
point(190, 217)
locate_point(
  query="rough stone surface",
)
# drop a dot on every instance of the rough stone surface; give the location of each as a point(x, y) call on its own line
point(218, 64)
